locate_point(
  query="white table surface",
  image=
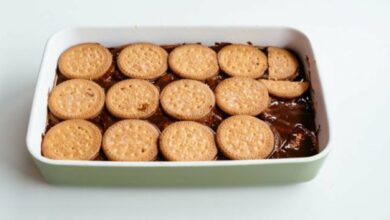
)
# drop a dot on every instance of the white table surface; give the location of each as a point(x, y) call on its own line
point(352, 41)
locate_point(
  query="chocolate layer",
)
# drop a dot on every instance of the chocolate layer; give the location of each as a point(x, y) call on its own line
point(292, 121)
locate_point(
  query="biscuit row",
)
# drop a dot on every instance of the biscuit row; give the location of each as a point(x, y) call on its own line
point(237, 137)
point(183, 99)
point(192, 61)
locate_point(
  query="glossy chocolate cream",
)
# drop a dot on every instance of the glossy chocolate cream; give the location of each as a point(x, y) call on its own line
point(291, 120)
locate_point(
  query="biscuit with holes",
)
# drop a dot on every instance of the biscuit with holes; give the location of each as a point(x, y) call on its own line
point(242, 96)
point(132, 98)
point(85, 61)
point(282, 64)
point(285, 89)
point(74, 139)
point(131, 140)
point(76, 98)
point(187, 99)
point(194, 61)
point(242, 60)
point(188, 141)
point(244, 137)
point(143, 61)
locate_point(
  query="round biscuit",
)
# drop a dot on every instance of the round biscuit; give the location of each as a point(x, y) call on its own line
point(76, 98)
point(85, 61)
point(74, 139)
point(187, 99)
point(131, 140)
point(244, 137)
point(242, 60)
point(285, 89)
point(143, 61)
point(242, 96)
point(194, 61)
point(188, 141)
point(132, 98)
point(282, 64)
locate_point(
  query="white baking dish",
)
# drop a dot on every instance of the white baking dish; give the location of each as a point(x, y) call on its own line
point(182, 173)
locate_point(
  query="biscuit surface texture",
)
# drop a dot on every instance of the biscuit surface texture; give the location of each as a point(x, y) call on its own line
point(285, 89)
point(245, 137)
point(242, 95)
point(282, 64)
point(242, 60)
point(85, 61)
point(188, 141)
point(131, 140)
point(132, 98)
point(72, 140)
point(143, 61)
point(76, 98)
point(194, 61)
point(187, 99)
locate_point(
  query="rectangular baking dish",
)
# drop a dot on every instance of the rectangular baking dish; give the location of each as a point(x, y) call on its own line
point(243, 172)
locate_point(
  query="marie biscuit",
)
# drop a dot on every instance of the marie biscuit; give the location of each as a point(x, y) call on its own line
point(132, 98)
point(285, 89)
point(194, 61)
point(242, 60)
point(241, 96)
point(187, 99)
point(85, 61)
point(72, 140)
point(282, 64)
point(143, 61)
point(131, 140)
point(188, 141)
point(76, 99)
point(244, 137)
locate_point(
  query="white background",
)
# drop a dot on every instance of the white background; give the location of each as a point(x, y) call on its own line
point(352, 41)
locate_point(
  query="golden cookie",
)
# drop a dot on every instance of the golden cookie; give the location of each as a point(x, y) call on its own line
point(285, 89)
point(242, 60)
point(187, 99)
point(143, 61)
point(188, 141)
point(85, 61)
point(244, 137)
point(242, 96)
point(194, 61)
point(72, 140)
point(76, 98)
point(132, 98)
point(282, 64)
point(131, 140)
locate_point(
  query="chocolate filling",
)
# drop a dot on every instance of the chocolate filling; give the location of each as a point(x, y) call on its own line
point(291, 120)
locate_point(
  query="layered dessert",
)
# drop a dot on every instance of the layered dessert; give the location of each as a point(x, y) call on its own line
point(183, 102)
